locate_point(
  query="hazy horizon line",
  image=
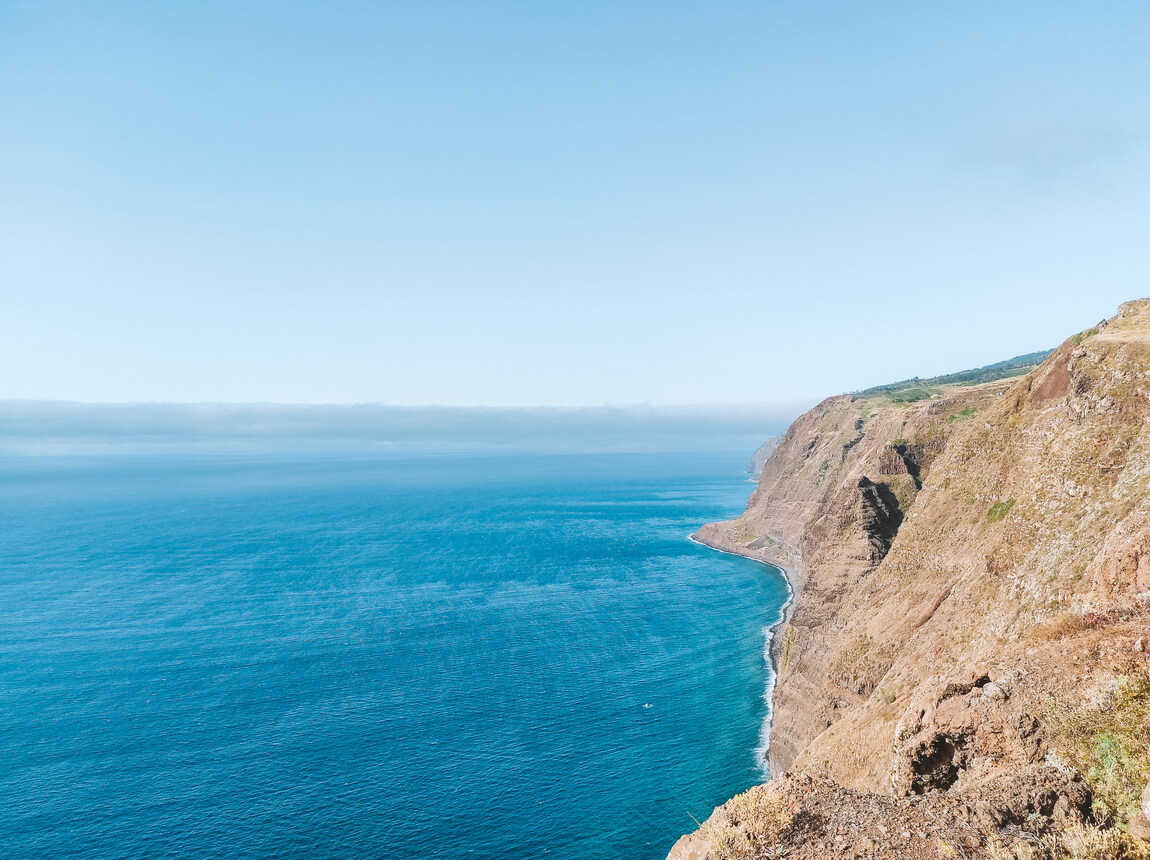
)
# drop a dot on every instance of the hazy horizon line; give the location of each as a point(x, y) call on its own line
point(35, 425)
point(629, 405)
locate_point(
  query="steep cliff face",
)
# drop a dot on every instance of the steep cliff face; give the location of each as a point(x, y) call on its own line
point(828, 508)
point(972, 577)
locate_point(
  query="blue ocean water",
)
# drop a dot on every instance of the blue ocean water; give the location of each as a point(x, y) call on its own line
point(353, 655)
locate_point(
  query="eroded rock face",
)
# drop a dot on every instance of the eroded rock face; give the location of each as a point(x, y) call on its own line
point(942, 531)
point(879, 517)
point(961, 732)
point(831, 501)
point(940, 552)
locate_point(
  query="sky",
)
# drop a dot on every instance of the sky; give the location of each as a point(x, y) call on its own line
point(564, 203)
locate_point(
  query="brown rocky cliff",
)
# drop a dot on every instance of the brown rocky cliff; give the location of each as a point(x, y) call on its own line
point(827, 509)
point(966, 569)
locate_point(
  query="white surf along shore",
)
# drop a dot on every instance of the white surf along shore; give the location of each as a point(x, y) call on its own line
point(770, 652)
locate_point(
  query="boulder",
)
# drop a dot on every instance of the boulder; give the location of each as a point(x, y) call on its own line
point(1140, 827)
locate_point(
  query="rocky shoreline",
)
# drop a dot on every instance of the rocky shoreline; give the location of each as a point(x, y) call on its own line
point(713, 538)
point(774, 650)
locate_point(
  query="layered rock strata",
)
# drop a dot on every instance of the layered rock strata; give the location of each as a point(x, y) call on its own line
point(970, 572)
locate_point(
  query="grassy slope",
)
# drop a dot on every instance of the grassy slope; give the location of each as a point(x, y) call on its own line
point(910, 390)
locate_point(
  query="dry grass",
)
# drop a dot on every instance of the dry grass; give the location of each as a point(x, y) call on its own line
point(1077, 842)
point(1061, 625)
point(1082, 842)
point(861, 665)
point(1110, 743)
point(1066, 624)
point(749, 825)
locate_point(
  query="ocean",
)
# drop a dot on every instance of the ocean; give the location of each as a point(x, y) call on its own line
point(373, 655)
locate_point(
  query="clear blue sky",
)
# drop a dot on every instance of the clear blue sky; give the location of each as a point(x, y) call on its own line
point(559, 203)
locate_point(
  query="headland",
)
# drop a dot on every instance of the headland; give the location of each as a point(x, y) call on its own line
point(965, 667)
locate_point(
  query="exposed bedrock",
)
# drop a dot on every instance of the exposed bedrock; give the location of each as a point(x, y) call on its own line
point(880, 516)
point(972, 589)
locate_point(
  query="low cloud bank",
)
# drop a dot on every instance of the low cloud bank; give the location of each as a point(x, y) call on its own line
point(45, 426)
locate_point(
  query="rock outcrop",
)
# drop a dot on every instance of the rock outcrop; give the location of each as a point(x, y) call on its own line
point(761, 455)
point(972, 597)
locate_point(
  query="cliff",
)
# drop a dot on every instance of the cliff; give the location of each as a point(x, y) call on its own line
point(967, 646)
point(761, 455)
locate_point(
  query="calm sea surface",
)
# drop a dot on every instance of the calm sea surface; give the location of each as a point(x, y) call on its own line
point(304, 656)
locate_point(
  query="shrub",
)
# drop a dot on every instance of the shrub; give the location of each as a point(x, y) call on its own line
point(1083, 842)
point(1111, 745)
point(999, 510)
point(1077, 842)
point(749, 825)
point(912, 395)
point(1082, 335)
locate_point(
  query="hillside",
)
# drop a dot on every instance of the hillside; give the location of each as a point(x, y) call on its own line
point(910, 390)
point(965, 670)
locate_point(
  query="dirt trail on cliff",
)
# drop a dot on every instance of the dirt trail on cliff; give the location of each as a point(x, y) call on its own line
point(972, 603)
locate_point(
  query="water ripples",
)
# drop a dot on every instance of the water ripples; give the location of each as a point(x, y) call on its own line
point(438, 657)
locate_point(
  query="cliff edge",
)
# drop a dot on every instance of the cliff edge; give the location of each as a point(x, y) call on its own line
point(965, 671)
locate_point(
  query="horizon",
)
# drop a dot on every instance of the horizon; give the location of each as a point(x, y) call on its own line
point(523, 206)
point(70, 427)
point(775, 405)
point(55, 427)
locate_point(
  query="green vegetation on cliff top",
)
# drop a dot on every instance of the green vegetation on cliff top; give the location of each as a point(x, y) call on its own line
point(910, 390)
